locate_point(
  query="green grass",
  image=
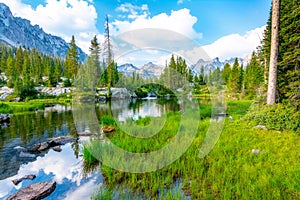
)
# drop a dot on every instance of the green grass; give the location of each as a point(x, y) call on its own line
point(30, 106)
point(20, 107)
point(229, 171)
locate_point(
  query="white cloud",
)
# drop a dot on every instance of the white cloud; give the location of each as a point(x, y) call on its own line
point(180, 21)
point(235, 45)
point(62, 18)
point(131, 11)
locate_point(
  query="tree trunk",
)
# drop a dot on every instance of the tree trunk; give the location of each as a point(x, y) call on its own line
point(271, 96)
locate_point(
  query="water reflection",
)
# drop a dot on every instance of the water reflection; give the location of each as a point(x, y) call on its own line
point(65, 167)
point(28, 129)
point(134, 108)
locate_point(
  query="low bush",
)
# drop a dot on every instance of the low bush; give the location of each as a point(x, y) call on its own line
point(277, 117)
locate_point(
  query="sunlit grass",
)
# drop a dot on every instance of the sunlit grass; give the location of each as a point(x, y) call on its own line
point(229, 171)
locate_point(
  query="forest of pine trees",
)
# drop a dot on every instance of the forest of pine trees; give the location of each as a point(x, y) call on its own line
point(26, 69)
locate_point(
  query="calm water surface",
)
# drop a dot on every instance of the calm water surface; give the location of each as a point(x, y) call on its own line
point(65, 167)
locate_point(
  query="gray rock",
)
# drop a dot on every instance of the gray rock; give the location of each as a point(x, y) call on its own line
point(19, 180)
point(34, 148)
point(34, 191)
point(120, 93)
point(16, 31)
point(44, 146)
point(57, 149)
point(255, 151)
point(62, 140)
point(260, 127)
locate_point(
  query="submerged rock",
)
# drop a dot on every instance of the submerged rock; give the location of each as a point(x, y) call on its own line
point(62, 140)
point(34, 148)
point(19, 180)
point(85, 133)
point(57, 149)
point(34, 191)
point(44, 146)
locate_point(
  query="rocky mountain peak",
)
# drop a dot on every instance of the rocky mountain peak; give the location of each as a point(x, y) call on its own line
point(16, 31)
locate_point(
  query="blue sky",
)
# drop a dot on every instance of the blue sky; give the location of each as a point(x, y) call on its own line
point(224, 28)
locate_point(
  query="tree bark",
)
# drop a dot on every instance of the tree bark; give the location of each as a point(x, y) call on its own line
point(271, 96)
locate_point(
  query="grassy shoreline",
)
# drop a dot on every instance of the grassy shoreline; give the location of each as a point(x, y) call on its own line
point(230, 171)
point(30, 106)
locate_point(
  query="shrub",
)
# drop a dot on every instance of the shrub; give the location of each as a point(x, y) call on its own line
point(277, 117)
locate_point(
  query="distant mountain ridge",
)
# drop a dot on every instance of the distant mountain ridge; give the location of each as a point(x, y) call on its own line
point(149, 70)
point(16, 31)
point(215, 63)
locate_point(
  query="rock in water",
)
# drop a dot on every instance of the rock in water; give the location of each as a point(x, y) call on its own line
point(44, 146)
point(29, 177)
point(34, 148)
point(85, 133)
point(57, 149)
point(108, 129)
point(62, 140)
point(34, 191)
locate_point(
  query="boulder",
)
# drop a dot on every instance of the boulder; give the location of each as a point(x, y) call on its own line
point(19, 180)
point(57, 149)
point(120, 93)
point(34, 191)
point(44, 146)
point(62, 140)
point(34, 148)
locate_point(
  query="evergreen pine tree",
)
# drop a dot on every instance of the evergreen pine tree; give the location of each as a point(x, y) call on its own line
point(72, 60)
